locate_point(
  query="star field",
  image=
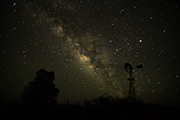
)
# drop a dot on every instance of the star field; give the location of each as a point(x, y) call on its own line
point(86, 43)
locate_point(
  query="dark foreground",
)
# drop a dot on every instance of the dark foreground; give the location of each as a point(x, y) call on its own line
point(91, 110)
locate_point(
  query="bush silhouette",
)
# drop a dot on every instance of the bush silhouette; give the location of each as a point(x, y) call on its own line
point(42, 90)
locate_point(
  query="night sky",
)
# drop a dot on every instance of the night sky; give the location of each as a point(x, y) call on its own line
point(87, 43)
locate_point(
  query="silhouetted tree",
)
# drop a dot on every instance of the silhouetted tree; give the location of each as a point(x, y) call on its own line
point(42, 90)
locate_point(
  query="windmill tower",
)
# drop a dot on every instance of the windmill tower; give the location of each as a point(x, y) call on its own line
point(129, 68)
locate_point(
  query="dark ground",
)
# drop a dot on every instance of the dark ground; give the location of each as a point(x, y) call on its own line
point(99, 108)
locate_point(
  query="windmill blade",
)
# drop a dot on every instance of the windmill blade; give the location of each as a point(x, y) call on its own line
point(126, 66)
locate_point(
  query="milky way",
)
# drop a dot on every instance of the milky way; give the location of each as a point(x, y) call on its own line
point(89, 50)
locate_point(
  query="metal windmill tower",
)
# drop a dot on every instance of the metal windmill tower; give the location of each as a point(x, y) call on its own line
point(129, 68)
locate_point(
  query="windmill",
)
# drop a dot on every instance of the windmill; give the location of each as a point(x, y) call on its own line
point(129, 68)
